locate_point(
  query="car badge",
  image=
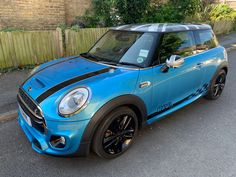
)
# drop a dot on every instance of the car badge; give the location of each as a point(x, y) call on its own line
point(29, 89)
point(36, 111)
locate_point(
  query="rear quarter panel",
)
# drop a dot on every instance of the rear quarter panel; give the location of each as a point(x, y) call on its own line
point(212, 60)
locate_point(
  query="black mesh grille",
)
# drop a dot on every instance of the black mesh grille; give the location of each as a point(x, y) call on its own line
point(30, 103)
point(26, 103)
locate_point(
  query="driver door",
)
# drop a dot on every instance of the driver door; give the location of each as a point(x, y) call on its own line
point(175, 85)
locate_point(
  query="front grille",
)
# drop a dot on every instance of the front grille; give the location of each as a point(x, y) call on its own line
point(30, 104)
point(29, 107)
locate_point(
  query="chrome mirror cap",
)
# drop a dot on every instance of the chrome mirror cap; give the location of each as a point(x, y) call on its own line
point(174, 61)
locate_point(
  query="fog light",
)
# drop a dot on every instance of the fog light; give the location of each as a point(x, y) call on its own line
point(58, 141)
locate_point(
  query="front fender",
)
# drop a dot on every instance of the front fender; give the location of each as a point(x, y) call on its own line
point(134, 102)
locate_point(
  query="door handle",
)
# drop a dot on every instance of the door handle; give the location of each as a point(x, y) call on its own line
point(144, 84)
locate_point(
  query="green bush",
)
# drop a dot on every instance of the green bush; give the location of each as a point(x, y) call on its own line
point(164, 13)
point(131, 11)
point(75, 28)
point(212, 13)
point(102, 14)
point(173, 11)
point(11, 30)
point(203, 16)
point(186, 7)
point(106, 13)
point(222, 12)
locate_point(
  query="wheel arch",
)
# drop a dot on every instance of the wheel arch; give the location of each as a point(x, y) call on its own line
point(223, 66)
point(133, 102)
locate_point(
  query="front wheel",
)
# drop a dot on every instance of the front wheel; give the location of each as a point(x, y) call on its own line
point(116, 133)
point(217, 86)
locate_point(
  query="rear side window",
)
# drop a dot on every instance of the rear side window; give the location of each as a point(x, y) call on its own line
point(180, 43)
point(205, 40)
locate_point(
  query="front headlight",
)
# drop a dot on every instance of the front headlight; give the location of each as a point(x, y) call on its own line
point(74, 101)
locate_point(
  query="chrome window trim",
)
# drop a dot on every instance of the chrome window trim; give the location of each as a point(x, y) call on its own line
point(128, 68)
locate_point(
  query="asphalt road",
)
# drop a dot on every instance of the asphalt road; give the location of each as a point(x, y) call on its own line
point(10, 83)
point(198, 140)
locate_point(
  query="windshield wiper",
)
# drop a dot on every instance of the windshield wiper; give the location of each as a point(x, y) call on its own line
point(88, 55)
point(105, 61)
point(131, 64)
point(108, 62)
point(98, 59)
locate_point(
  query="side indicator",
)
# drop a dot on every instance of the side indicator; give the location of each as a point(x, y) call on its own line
point(144, 84)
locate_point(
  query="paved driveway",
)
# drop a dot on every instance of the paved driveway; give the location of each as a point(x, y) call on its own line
point(198, 140)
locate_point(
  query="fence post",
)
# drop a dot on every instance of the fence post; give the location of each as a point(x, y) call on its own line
point(66, 41)
point(13, 57)
point(61, 42)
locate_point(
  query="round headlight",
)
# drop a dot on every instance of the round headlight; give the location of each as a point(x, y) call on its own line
point(73, 101)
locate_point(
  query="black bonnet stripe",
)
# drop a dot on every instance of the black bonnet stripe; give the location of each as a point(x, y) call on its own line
point(69, 82)
point(48, 67)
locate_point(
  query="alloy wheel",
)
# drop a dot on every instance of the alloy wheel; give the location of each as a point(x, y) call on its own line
point(219, 85)
point(119, 135)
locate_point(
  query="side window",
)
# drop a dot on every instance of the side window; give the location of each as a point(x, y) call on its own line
point(180, 43)
point(205, 40)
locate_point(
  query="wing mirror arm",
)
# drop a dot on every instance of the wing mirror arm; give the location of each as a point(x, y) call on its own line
point(165, 68)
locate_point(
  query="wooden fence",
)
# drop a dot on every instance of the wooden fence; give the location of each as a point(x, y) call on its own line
point(221, 27)
point(29, 48)
point(82, 41)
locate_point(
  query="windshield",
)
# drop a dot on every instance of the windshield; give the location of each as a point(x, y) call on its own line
point(124, 48)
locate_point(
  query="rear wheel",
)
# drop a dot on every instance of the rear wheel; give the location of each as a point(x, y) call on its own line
point(116, 133)
point(217, 86)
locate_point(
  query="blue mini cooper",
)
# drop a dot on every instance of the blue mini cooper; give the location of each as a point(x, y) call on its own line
point(133, 76)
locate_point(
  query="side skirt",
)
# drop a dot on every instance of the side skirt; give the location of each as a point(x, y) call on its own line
point(159, 115)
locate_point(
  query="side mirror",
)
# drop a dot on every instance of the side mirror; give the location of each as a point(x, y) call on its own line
point(174, 61)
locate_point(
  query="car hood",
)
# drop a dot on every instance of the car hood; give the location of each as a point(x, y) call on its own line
point(60, 72)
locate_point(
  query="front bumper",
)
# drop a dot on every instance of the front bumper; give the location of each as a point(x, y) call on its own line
point(71, 131)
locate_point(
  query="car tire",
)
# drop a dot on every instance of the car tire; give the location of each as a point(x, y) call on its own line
point(116, 133)
point(217, 86)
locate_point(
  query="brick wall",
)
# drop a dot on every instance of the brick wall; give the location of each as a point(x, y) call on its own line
point(39, 14)
point(75, 8)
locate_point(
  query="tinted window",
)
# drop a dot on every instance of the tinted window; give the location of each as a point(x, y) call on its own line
point(181, 43)
point(205, 40)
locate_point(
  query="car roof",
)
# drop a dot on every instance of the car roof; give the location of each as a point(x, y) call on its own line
point(162, 27)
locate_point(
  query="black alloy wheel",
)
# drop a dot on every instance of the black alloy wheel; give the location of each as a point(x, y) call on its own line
point(217, 85)
point(116, 133)
point(119, 134)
